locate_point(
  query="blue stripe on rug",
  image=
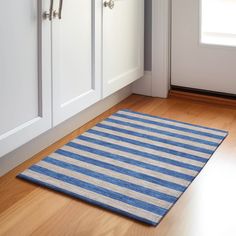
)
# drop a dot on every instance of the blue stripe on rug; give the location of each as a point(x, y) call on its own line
point(158, 131)
point(136, 174)
point(140, 153)
point(131, 161)
point(132, 173)
point(147, 145)
point(171, 126)
point(121, 183)
point(102, 191)
point(78, 196)
point(153, 138)
point(179, 122)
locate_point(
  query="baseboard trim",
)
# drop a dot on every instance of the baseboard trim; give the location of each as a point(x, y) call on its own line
point(27, 151)
point(203, 97)
point(203, 92)
point(143, 86)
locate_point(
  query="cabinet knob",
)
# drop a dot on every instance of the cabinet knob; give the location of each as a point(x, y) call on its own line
point(110, 4)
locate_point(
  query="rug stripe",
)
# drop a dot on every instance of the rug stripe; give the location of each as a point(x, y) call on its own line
point(100, 190)
point(140, 143)
point(155, 190)
point(172, 127)
point(92, 138)
point(202, 152)
point(183, 124)
point(90, 146)
point(101, 180)
point(91, 197)
point(131, 150)
point(165, 131)
point(124, 166)
point(129, 162)
point(138, 175)
point(166, 174)
point(147, 145)
point(171, 139)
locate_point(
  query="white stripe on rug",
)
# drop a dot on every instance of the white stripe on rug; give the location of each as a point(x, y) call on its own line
point(175, 123)
point(93, 196)
point(198, 136)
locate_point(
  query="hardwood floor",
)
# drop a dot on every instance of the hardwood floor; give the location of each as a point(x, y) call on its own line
point(207, 208)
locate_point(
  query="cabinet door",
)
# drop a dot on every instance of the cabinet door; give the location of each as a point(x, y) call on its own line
point(25, 72)
point(123, 39)
point(76, 57)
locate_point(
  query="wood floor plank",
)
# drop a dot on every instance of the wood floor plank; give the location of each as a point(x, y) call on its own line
point(32, 210)
point(206, 208)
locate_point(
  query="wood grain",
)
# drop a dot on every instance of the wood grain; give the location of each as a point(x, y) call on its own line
point(207, 208)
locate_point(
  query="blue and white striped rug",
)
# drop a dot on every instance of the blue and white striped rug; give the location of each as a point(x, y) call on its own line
point(131, 163)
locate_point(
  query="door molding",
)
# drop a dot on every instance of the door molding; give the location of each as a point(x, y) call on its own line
point(161, 29)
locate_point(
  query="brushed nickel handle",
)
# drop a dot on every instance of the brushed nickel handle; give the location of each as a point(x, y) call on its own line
point(110, 4)
point(59, 13)
point(48, 15)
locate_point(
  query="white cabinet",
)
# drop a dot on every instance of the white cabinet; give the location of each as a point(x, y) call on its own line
point(51, 68)
point(25, 73)
point(76, 40)
point(123, 44)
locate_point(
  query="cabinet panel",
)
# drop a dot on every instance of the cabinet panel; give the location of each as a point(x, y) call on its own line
point(16, 74)
point(76, 58)
point(123, 39)
point(25, 81)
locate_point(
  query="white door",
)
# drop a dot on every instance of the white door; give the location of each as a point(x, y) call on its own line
point(25, 72)
point(76, 40)
point(204, 45)
point(123, 39)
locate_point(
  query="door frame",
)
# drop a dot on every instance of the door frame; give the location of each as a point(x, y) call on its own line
point(161, 48)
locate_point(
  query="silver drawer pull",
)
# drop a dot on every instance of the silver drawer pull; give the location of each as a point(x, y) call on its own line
point(59, 13)
point(48, 15)
point(110, 4)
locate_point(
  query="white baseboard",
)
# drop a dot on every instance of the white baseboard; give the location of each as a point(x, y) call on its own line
point(143, 86)
point(15, 158)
